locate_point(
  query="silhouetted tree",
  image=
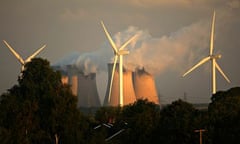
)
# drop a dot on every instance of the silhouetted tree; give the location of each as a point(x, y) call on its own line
point(103, 116)
point(224, 117)
point(140, 119)
point(176, 124)
point(107, 114)
point(40, 109)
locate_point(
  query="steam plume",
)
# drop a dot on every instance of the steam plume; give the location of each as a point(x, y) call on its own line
point(155, 54)
point(167, 52)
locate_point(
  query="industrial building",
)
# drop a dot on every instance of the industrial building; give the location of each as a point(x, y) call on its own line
point(128, 90)
point(82, 85)
point(138, 84)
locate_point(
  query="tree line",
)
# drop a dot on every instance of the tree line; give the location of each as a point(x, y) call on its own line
point(40, 109)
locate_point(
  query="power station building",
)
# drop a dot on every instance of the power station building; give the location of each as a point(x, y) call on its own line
point(83, 86)
point(137, 84)
point(144, 86)
point(128, 90)
point(87, 91)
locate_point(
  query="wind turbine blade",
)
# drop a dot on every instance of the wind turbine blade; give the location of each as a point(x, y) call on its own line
point(15, 53)
point(197, 65)
point(221, 71)
point(35, 53)
point(212, 34)
point(109, 38)
point(127, 42)
point(111, 82)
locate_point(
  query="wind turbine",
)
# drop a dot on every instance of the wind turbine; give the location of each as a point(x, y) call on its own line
point(118, 52)
point(212, 57)
point(20, 59)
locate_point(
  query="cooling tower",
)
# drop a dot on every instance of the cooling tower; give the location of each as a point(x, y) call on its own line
point(87, 91)
point(73, 78)
point(128, 90)
point(64, 78)
point(144, 86)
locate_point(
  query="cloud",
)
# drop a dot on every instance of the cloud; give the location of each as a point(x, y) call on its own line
point(93, 62)
point(168, 52)
point(175, 51)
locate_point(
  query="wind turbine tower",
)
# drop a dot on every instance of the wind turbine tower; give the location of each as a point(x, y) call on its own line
point(112, 99)
point(213, 58)
point(118, 52)
point(20, 59)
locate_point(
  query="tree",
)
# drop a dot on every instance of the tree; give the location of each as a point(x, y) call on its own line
point(135, 122)
point(107, 114)
point(104, 116)
point(40, 109)
point(176, 124)
point(141, 118)
point(224, 115)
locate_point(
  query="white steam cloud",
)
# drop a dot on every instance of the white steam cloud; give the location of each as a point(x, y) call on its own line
point(170, 52)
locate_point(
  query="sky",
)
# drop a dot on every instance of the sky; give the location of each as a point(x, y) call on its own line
point(172, 36)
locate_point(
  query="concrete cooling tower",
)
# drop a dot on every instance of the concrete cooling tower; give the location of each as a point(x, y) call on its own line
point(63, 72)
point(64, 79)
point(128, 90)
point(72, 78)
point(144, 86)
point(82, 86)
point(87, 91)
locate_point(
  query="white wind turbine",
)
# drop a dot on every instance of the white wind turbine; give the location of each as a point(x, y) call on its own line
point(118, 52)
point(20, 59)
point(213, 59)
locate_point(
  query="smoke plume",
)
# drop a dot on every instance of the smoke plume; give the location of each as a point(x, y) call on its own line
point(169, 52)
point(175, 51)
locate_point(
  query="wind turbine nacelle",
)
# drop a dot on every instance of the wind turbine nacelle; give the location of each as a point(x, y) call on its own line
point(123, 52)
point(218, 56)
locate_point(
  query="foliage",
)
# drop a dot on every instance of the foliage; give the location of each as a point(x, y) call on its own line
point(137, 121)
point(107, 114)
point(224, 116)
point(176, 123)
point(104, 115)
point(40, 109)
point(141, 118)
